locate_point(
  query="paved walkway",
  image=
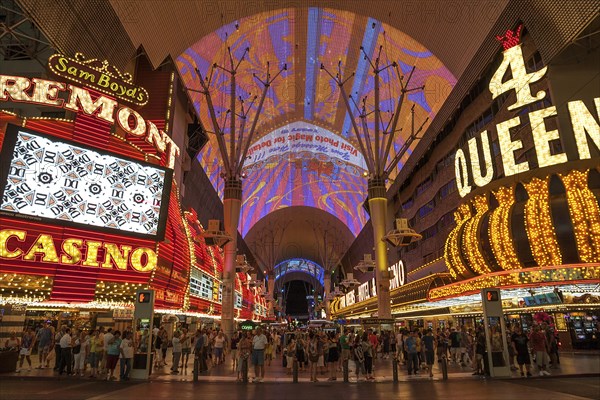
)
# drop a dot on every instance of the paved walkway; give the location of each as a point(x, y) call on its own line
point(570, 364)
point(526, 389)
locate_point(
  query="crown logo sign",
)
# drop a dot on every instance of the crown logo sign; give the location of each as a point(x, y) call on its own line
point(510, 38)
point(104, 67)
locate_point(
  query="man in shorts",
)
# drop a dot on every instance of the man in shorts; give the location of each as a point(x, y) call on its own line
point(540, 348)
point(259, 342)
point(429, 342)
point(519, 341)
point(44, 339)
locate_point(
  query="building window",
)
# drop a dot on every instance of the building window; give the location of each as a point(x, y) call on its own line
point(426, 209)
point(408, 204)
point(535, 62)
point(424, 185)
point(447, 219)
point(429, 232)
point(448, 189)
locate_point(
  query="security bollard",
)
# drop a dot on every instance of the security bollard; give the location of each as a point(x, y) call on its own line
point(395, 369)
point(444, 368)
point(196, 367)
point(245, 370)
point(345, 367)
point(295, 371)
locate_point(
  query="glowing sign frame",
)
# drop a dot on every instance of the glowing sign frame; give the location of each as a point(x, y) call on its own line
point(6, 158)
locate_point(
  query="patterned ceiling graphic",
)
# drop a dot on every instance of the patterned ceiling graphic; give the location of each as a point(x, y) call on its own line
point(303, 39)
point(304, 165)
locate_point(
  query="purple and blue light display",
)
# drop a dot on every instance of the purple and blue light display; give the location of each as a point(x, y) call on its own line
point(300, 176)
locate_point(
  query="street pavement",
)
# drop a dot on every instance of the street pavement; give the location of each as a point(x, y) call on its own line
point(529, 389)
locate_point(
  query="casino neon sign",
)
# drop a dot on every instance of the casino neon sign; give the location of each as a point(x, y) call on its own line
point(46, 92)
point(475, 164)
point(75, 252)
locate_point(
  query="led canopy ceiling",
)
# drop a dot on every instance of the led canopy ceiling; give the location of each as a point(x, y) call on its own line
point(303, 39)
point(304, 165)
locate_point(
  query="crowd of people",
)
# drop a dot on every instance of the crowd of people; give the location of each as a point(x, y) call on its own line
point(466, 347)
point(76, 352)
point(321, 354)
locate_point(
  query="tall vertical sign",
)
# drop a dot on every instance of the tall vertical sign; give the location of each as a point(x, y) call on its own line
point(495, 333)
point(142, 318)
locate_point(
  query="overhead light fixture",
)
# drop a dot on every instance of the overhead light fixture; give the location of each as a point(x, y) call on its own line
point(366, 265)
point(402, 235)
point(214, 235)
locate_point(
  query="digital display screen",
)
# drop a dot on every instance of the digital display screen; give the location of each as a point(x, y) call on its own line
point(542, 299)
point(301, 172)
point(46, 178)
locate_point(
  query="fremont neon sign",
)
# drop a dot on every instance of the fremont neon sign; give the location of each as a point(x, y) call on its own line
point(76, 252)
point(481, 171)
point(45, 92)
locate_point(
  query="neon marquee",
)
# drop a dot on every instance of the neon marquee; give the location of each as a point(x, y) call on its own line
point(45, 92)
point(76, 252)
point(476, 163)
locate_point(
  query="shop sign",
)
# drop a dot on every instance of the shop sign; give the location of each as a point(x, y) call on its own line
point(75, 252)
point(376, 321)
point(475, 165)
point(123, 313)
point(99, 75)
point(247, 325)
point(398, 275)
point(45, 92)
point(368, 289)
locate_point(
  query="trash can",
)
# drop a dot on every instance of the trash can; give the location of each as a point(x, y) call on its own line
point(8, 361)
point(139, 361)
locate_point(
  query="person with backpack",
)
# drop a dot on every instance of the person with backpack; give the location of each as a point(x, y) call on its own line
point(313, 356)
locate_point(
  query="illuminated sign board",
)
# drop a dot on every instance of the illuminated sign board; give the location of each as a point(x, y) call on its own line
point(247, 326)
point(475, 164)
point(75, 252)
point(43, 178)
point(368, 289)
point(98, 75)
point(45, 92)
point(398, 275)
point(144, 297)
point(492, 295)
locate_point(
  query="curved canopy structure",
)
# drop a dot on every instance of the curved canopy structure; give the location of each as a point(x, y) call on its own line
point(304, 99)
point(299, 265)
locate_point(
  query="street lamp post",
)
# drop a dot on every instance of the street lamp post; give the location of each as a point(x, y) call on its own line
point(233, 155)
point(375, 145)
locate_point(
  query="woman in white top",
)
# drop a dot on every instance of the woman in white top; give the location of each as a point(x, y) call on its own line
point(219, 346)
point(84, 340)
